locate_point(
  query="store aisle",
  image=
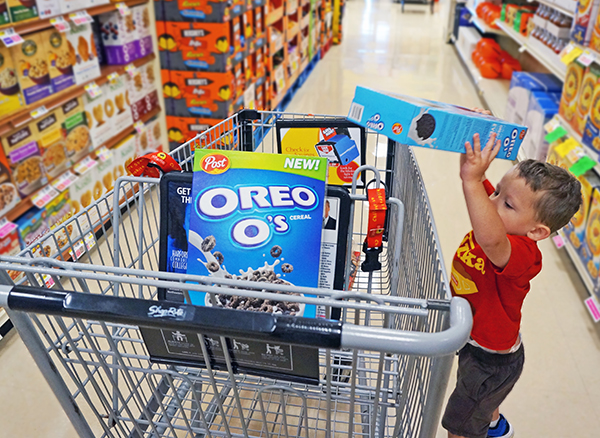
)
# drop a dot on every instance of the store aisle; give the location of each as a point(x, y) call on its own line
point(406, 53)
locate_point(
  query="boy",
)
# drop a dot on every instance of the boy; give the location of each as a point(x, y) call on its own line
point(492, 270)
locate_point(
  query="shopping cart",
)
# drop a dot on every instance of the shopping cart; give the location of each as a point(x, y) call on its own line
point(383, 365)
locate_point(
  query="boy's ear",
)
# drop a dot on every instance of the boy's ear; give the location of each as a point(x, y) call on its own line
point(539, 232)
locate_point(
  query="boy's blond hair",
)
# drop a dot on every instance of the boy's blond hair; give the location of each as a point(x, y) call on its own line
point(561, 192)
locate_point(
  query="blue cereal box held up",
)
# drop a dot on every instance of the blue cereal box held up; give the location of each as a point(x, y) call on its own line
point(257, 217)
point(425, 123)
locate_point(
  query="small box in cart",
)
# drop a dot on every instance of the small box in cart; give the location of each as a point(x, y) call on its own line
point(435, 125)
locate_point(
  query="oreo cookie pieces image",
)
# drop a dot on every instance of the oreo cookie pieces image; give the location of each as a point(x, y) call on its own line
point(425, 126)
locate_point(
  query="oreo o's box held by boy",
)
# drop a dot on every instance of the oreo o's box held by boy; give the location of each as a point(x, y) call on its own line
point(425, 123)
point(257, 217)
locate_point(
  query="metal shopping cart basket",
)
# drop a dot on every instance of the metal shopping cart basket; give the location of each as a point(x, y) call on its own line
point(383, 365)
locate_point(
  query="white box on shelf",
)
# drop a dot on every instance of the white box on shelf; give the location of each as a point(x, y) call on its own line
point(468, 37)
point(540, 22)
point(542, 107)
point(521, 86)
point(559, 32)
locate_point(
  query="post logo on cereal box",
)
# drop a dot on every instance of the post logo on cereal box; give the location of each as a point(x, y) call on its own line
point(215, 164)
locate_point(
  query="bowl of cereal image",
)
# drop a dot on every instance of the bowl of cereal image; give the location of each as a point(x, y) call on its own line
point(9, 85)
point(78, 139)
point(8, 196)
point(276, 307)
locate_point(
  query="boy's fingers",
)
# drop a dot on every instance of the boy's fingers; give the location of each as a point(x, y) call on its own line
point(476, 145)
point(495, 149)
point(468, 150)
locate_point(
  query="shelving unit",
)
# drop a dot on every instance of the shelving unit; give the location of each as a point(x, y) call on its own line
point(24, 116)
point(493, 92)
point(37, 24)
point(482, 25)
point(554, 65)
point(578, 263)
point(572, 133)
point(554, 6)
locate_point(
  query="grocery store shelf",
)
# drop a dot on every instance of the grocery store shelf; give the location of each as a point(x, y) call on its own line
point(493, 93)
point(553, 65)
point(578, 263)
point(27, 203)
point(35, 24)
point(23, 116)
point(292, 31)
point(482, 25)
point(572, 133)
point(554, 6)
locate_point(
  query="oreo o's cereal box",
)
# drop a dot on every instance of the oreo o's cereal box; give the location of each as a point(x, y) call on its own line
point(257, 217)
point(425, 123)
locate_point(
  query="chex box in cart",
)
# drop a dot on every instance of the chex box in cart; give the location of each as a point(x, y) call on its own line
point(426, 123)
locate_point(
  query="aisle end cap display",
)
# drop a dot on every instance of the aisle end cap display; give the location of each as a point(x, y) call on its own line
point(425, 123)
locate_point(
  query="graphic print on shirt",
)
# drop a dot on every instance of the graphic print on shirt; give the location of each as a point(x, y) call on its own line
point(462, 282)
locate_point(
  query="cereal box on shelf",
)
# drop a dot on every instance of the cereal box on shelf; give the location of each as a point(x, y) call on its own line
point(590, 251)
point(59, 211)
point(584, 97)
point(141, 16)
point(10, 245)
point(136, 90)
point(143, 140)
point(82, 43)
point(4, 15)
point(252, 213)
point(150, 85)
point(591, 132)
point(31, 60)
point(81, 195)
point(9, 195)
point(21, 10)
point(33, 227)
point(123, 154)
point(70, 108)
point(118, 104)
point(99, 112)
point(21, 149)
point(61, 59)
point(78, 142)
point(52, 143)
point(197, 46)
point(11, 99)
point(104, 181)
point(583, 24)
point(576, 228)
point(119, 38)
point(200, 94)
point(424, 123)
point(155, 135)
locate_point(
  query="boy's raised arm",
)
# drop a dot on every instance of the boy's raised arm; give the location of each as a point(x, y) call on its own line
point(488, 228)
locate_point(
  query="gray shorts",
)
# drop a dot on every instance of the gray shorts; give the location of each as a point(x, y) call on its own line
point(484, 381)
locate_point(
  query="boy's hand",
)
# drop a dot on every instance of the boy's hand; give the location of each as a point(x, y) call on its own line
point(476, 161)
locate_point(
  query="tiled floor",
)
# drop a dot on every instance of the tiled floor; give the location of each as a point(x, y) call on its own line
point(559, 392)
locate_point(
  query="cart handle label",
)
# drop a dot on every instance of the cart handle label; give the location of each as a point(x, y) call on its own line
point(170, 312)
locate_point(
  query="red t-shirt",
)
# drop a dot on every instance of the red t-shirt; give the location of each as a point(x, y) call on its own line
point(496, 295)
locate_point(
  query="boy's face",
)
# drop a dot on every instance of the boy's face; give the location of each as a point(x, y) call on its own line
point(515, 202)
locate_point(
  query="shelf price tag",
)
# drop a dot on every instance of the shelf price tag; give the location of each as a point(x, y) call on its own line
point(84, 165)
point(123, 9)
point(131, 69)
point(587, 58)
point(112, 78)
point(64, 181)
point(570, 53)
point(44, 196)
point(139, 126)
point(93, 90)
point(10, 38)
point(104, 153)
point(38, 112)
point(6, 227)
point(567, 146)
point(592, 305)
point(584, 164)
point(555, 134)
point(60, 24)
point(81, 17)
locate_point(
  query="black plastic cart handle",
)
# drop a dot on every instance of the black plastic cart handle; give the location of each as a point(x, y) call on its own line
point(318, 332)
